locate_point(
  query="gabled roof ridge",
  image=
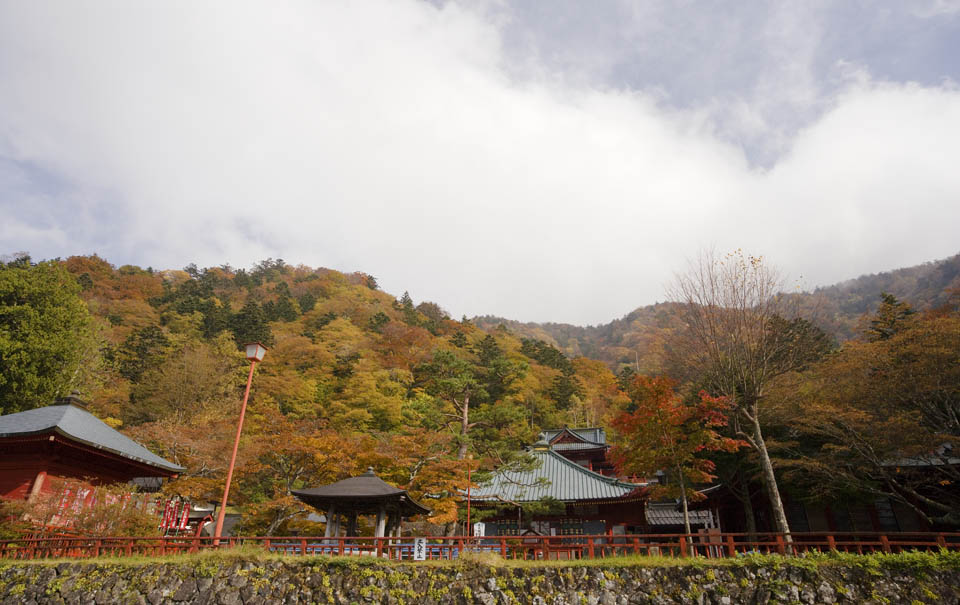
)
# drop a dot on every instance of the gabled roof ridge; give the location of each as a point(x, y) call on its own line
point(576, 435)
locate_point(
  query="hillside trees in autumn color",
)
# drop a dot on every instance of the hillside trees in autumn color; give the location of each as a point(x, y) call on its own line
point(353, 377)
point(660, 433)
point(881, 417)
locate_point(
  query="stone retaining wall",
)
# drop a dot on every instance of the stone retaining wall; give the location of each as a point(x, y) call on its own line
point(230, 582)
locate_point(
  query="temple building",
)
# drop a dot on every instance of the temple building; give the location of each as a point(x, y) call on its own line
point(587, 447)
point(43, 449)
point(567, 499)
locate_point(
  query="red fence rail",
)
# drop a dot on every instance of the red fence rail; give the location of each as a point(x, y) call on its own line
point(712, 545)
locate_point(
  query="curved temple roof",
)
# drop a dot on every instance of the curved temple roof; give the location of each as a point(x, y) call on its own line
point(364, 492)
point(556, 478)
point(81, 426)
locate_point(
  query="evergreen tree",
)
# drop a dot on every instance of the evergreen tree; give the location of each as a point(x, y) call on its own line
point(307, 302)
point(44, 326)
point(889, 318)
point(377, 322)
point(286, 309)
point(250, 325)
point(458, 339)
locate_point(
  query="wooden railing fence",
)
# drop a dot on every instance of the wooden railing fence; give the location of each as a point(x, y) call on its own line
point(712, 545)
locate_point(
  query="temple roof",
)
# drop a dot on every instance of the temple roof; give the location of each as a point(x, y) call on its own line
point(586, 437)
point(83, 427)
point(555, 477)
point(364, 492)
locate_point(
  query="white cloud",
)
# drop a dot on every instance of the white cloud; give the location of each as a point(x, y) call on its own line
point(395, 138)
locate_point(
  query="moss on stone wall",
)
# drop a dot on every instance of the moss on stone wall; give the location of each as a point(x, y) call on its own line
point(249, 578)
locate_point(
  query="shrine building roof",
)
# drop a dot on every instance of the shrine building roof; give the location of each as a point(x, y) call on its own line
point(360, 493)
point(555, 477)
point(77, 424)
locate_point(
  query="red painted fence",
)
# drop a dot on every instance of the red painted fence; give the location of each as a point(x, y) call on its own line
point(714, 545)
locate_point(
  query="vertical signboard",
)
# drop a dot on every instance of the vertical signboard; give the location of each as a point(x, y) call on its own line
point(420, 549)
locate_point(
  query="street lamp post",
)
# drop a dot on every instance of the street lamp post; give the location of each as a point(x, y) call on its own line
point(255, 353)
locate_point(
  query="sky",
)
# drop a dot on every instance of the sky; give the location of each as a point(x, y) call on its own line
point(541, 161)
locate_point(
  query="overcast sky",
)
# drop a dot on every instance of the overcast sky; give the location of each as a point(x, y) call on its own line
point(543, 161)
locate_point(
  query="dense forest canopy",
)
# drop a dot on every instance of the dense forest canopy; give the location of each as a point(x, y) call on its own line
point(357, 377)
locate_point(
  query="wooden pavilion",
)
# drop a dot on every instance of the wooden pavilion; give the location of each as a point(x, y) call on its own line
point(363, 495)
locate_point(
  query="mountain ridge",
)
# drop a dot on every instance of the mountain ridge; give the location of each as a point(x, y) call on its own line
point(837, 308)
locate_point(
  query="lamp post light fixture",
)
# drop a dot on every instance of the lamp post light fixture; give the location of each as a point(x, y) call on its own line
point(255, 352)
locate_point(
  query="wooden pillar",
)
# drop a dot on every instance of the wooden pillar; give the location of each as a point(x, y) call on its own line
point(352, 524)
point(393, 521)
point(331, 515)
point(37, 486)
point(381, 521)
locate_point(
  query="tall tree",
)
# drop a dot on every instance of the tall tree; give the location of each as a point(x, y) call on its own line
point(663, 434)
point(890, 316)
point(739, 336)
point(453, 380)
point(44, 329)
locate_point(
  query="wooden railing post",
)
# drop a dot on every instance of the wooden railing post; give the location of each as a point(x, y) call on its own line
point(780, 545)
point(590, 547)
point(885, 542)
point(503, 547)
point(379, 544)
point(831, 543)
point(941, 540)
point(682, 543)
point(731, 546)
point(98, 545)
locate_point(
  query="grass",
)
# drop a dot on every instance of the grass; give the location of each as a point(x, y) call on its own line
point(911, 561)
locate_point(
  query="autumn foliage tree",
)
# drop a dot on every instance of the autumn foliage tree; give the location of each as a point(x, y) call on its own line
point(662, 433)
point(740, 335)
point(882, 416)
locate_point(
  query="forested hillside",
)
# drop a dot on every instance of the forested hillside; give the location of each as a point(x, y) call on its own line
point(357, 377)
point(354, 377)
point(637, 338)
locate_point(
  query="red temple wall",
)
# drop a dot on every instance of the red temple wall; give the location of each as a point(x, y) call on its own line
point(20, 463)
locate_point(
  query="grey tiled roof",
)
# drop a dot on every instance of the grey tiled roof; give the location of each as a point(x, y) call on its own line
point(565, 481)
point(358, 493)
point(566, 447)
point(82, 426)
point(660, 513)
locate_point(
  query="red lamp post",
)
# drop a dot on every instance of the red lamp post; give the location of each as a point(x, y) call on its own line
point(255, 353)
